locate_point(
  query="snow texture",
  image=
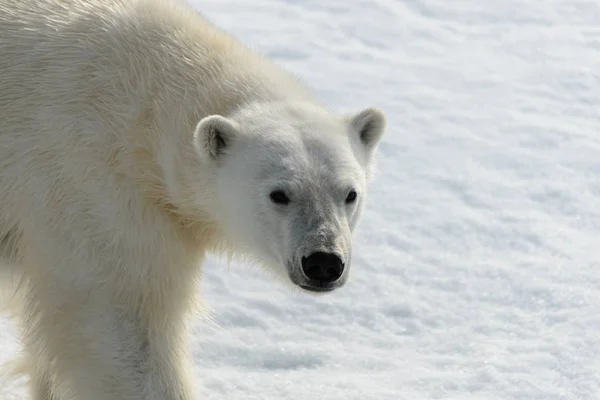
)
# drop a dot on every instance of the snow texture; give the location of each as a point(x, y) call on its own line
point(476, 272)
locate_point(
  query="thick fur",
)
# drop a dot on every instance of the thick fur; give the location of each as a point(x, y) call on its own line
point(110, 183)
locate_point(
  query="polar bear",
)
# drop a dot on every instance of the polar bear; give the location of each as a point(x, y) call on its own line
point(135, 137)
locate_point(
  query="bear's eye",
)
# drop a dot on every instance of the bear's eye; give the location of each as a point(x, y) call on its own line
point(279, 197)
point(351, 198)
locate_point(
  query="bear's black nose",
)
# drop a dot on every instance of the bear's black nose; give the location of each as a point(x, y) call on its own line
point(323, 267)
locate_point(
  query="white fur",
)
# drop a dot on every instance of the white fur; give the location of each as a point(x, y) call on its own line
point(135, 137)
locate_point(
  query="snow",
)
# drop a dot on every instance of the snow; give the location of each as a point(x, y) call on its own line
point(475, 271)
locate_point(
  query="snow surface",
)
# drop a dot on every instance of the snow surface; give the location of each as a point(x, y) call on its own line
point(476, 272)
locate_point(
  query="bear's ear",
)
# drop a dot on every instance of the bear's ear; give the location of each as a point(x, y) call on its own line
point(368, 125)
point(213, 136)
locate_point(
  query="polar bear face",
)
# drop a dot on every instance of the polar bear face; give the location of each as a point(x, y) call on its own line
point(291, 184)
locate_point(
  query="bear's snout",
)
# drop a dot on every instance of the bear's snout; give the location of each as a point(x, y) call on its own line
point(321, 270)
point(323, 267)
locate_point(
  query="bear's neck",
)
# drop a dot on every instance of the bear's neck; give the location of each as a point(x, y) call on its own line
point(183, 78)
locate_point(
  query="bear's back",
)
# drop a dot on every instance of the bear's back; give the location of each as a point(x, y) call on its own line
point(87, 85)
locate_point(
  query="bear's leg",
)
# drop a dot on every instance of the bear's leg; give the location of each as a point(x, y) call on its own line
point(106, 329)
point(99, 351)
point(109, 285)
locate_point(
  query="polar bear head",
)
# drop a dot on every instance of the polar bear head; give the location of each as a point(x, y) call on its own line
point(290, 185)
